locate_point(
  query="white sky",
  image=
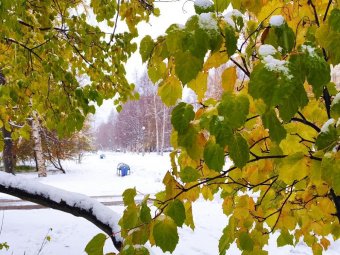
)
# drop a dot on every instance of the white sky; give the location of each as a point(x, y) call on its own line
point(171, 12)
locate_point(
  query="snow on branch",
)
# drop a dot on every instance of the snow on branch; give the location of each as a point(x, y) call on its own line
point(74, 203)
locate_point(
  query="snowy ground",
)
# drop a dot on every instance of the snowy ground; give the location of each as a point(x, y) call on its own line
point(24, 231)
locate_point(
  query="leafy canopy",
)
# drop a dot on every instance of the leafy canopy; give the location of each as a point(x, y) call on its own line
point(277, 121)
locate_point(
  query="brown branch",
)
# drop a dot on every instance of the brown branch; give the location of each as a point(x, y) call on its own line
point(241, 67)
point(10, 40)
point(327, 9)
point(314, 11)
point(336, 200)
point(308, 123)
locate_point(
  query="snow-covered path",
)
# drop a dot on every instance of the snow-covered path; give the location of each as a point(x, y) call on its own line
point(24, 231)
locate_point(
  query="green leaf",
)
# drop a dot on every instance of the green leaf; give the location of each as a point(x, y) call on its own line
point(165, 234)
point(189, 140)
point(239, 151)
point(203, 9)
point(214, 156)
point(96, 245)
point(227, 237)
point(130, 217)
point(187, 66)
point(181, 116)
point(146, 48)
point(330, 171)
point(231, 40)
point(189, 174)
point(334, 20)
point(327, 139)
point(129, 196)
point(234, 109)
point(176, 211)
point(276, 130)
point(246, 243)
point(290, 106)
point(145, 215)
point(318, 75)
point(221, 5)
point(285, 37)
point(285, 238)
point(268, 85)
point(170, 90)
point(221, 130)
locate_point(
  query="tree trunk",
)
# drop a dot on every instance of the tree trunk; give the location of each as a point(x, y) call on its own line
point(163, 129)
point(8, 156)
point(156, 122)
point(38, 146)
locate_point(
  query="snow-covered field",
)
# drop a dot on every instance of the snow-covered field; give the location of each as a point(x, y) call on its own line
point(25, 231)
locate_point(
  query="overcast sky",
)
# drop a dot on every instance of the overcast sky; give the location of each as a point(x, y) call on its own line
point(171, 12)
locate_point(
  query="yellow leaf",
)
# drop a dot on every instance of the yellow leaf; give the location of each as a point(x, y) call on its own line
point(215, 60)
point(199, 85)
point(228, 205)
point(207, 194)
point(189, 220)
point(325, 243)
point(293, 167)
point(228, 79)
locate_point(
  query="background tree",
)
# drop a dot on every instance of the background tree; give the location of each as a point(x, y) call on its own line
point(48, 47)
point(142, 125)
point(278, 123)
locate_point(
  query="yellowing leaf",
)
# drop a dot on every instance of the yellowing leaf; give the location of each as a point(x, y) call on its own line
point(170, 90)
point(199, 85)
point(207, 194)
point(228, 79)
point(215, 60)
point(293, 167)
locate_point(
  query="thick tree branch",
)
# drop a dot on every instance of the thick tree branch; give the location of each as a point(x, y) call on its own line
point(10, 185)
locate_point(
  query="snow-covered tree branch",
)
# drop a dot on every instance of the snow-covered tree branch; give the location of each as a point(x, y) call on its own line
point(74, 203)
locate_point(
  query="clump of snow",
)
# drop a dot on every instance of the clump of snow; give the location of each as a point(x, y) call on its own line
point(101, 212)
point(336, 99)
point(267, 49)
point(206, 21)
point(328, 123)
point(274, 64)
point(310, 50)
point(228, 17)
point(203, 3)
point(276, 20)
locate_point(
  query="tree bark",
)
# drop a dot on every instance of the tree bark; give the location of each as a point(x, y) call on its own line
point(163, 129)
point(8, 156)
point(62, 206)
point(38, 146)
point(156, 122)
